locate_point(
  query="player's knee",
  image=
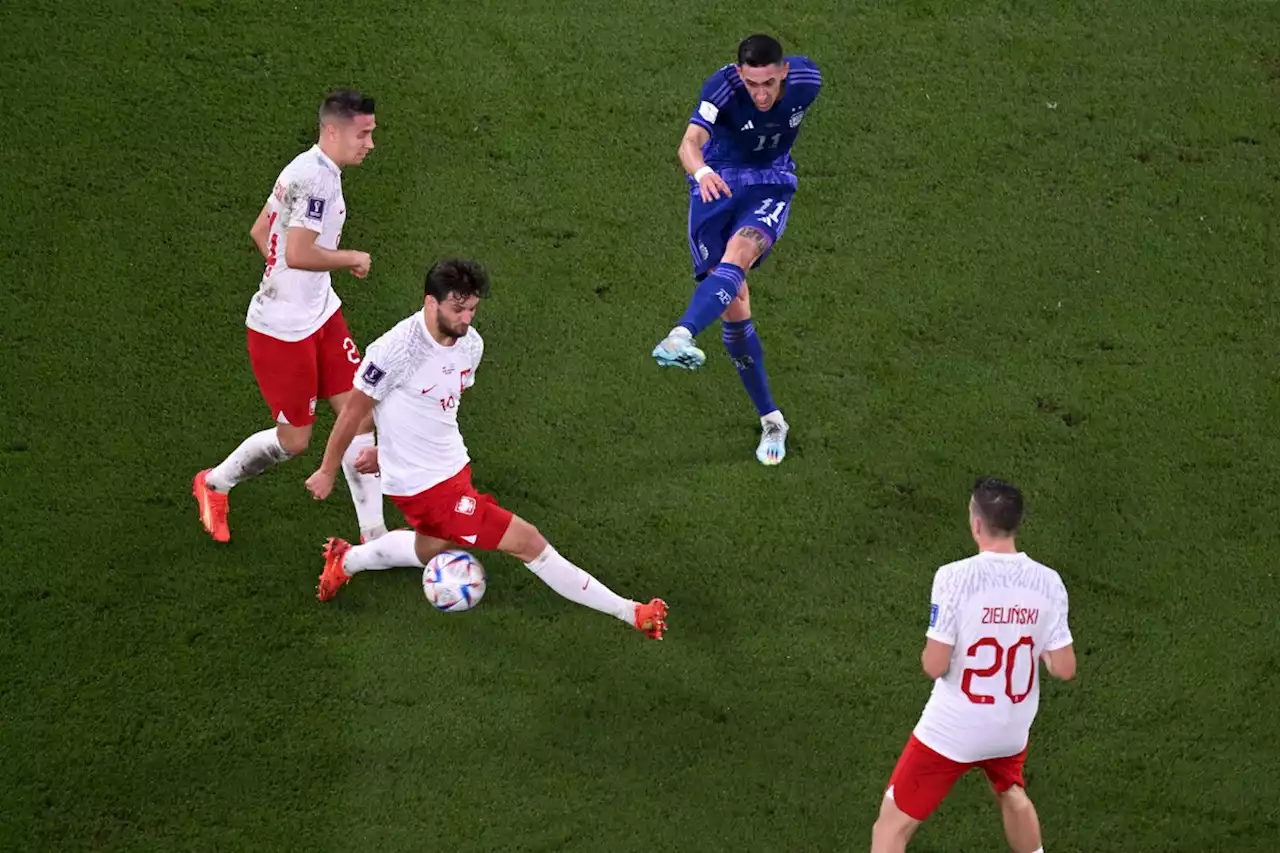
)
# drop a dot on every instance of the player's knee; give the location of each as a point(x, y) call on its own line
point(1015, 800)
point(889, 834)
point(523, 541)
point(746, 247)
point(294, 441)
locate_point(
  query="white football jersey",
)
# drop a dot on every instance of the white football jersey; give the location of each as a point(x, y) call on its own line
point(1000, 612)
point(293, 304)
point(418, 385)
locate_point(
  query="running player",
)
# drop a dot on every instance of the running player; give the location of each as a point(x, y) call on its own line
point(299, 345)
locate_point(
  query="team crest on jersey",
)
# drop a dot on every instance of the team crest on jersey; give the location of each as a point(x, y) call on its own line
point(373, 374)
point(466, 505)
point(315, 208)
point(796, 118)
point(933, 615)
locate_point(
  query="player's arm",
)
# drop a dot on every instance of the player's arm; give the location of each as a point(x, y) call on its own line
point(261, 229)
point(1060, 655)
point(309, 204)
point(1061, 663)
point(354, 412)
point(385, 366)
point(936, 658)
point(302, 253)
point(690, 152)
point(940, 638)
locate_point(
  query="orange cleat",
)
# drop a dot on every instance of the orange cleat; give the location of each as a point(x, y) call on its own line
point(333, 576)
point(213, 508)
point(651, 618)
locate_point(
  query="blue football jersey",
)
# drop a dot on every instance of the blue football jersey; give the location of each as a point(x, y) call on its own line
point(748, 146)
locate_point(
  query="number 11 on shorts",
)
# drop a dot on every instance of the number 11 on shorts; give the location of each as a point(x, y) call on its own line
point(768, 218)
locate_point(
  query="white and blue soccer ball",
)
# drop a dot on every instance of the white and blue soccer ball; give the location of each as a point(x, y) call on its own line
point(453, 581)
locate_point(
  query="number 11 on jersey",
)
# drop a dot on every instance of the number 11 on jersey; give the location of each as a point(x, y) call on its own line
point(773, 141)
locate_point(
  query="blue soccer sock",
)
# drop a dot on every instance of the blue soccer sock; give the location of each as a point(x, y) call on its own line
point(712, 297)
point(744, 348)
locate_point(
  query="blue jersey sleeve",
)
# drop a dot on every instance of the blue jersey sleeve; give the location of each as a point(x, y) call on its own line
point(804, 78)
point(716, 92)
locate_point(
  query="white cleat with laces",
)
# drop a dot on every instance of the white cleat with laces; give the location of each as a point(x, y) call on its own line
point(773, 440)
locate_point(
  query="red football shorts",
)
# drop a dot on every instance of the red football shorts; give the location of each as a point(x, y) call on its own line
point(456, 512)
point(292, 375)
point(922, 778)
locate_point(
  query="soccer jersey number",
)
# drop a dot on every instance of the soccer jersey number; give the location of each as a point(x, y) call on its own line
point(1000, 658)
point(772, 140)
point(770, 219)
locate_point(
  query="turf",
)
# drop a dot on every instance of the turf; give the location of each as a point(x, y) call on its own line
point(1034, 240)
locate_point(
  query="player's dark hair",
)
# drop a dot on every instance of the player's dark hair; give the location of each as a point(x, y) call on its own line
point(463, 277)
point(344, 105)
point(999, 504)
point(759, 50)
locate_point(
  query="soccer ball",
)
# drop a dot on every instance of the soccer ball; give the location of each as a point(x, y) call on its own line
point(453, 581)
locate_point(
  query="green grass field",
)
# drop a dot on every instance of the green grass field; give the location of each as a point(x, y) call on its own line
point(1033, 240)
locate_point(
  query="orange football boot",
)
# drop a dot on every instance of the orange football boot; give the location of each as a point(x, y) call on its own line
point(651, 618)
point(213, 508)
point(333, 576)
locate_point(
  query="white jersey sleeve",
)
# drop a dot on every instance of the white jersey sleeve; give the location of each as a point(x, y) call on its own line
point(309, 198)
point(1059, 632)
point(473, 345)
point(388, 363)
point(943, 607)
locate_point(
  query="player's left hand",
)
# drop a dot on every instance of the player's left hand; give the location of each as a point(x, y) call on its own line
point(367, 461)
point(320, 484)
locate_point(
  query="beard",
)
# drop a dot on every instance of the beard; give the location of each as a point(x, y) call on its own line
point(454, 331)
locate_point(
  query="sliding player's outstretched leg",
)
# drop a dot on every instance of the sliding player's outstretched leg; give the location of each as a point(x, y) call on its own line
point(523, 541)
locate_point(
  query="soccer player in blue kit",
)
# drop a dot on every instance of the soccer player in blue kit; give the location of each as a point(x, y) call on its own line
point(737, 151)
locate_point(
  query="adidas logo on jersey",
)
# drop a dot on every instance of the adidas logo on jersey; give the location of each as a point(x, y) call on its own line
point(750, 125)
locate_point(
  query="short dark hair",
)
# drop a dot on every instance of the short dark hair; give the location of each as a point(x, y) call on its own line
point(463, 277)
point(999, 504)
point(759, 50)
point(344, 105)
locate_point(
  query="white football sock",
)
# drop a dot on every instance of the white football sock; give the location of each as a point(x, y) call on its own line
point(579, 587)
point(393, 551)
point(774, 417)
point(255, 454)
point(366, 489)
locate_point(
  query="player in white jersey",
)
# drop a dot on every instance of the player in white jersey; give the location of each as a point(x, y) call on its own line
point(298, 341)
point(992, 617)
point(412, 379)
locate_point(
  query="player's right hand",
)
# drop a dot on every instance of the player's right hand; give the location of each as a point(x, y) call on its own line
point(360, 269)
point(712, 186)
point(320, 484)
